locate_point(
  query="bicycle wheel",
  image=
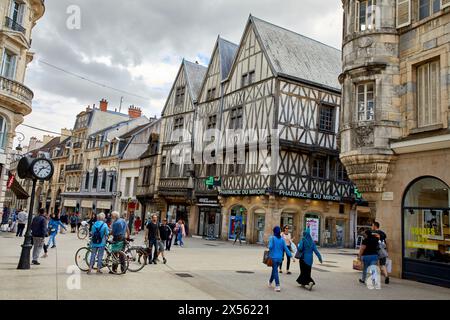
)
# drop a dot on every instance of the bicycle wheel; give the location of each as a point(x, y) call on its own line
point(117, 262)
point(82, 258)
point(136, 259)
point(82, 233)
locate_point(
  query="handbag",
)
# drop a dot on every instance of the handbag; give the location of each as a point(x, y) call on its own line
point(267, 260)
point(388, 265)
point(357, 265)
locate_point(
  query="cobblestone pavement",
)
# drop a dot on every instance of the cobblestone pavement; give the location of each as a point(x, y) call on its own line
point(201, 270)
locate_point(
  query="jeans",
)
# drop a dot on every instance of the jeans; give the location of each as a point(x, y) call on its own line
point(20, 228)
point(168, 244)
point(274, 276)
point(288, 262)
point(52, 239)
point(152, 243)
point(367, 262)
point(38, 244)
point(236, 237)
point(180, 239)
point(97, 253)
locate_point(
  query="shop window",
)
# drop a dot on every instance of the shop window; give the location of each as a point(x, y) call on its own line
point(238, 216)
point(428, 94)
point(366, 101)
point(365, 15)
point(426, 221)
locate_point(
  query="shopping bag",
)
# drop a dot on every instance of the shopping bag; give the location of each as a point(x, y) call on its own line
point(389, 265)
point(357, 265)
point(266, 259)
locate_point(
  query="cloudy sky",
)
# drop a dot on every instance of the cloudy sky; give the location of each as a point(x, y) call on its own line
point(137, 46)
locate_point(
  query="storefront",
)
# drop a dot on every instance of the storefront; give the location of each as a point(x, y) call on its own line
point(312, 221)
point(210, 217)
point(104, 206)
point(238, 215)
point(179, 212)
point(70, 206)
point(426, 231)
point(260, 224)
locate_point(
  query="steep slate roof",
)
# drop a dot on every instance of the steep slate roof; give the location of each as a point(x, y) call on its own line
point(294, 55)
point(194, 76)
point(227, 51)
point(132, 132)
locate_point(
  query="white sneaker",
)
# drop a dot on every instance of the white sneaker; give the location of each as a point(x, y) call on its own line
point(310, 286)
point(277, 289)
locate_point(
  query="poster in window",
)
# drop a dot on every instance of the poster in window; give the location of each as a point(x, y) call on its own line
point(432, 221)
point(313, 224)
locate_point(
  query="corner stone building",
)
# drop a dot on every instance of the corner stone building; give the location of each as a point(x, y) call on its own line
point(394, 127)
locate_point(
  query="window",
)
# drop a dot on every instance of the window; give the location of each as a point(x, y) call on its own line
point(127, 186)
point(211, 94)
point(179, 95)
point(111, 182)
point(428, 97)
point(3, 133)
point(427, 7)
point(212, 121)
point(174, 170)
point(366, 101)
point(319, 168)
point(17, 11)
point(211, 170)
point(178, 123)
point(147, 173)
point(248, 78)
point(163, 167)
point(365, 15)
point(236, 168)
point(341, 173)
point(236, 118)
point(326, 118)
point(9, 65)
point(95, 179)
point(86, 182)
point(135, 185)
point(103, 186)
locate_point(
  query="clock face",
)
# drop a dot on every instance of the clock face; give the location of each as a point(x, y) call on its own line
point(42, 169)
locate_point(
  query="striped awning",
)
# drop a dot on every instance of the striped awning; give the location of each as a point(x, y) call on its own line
point(20, 192)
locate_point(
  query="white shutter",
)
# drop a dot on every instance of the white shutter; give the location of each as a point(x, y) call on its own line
point(445, 4)
point(21, 13)
point(403, 13)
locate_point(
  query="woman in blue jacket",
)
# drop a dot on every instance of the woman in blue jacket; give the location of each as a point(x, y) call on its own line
point(277, 248)
point(306, 248)
point(53, 227)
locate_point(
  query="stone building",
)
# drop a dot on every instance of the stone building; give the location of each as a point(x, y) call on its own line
point(18, 17)
point(395, 140)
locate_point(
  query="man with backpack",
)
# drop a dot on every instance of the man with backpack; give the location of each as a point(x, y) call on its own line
point(382, 249)
point(99, 233)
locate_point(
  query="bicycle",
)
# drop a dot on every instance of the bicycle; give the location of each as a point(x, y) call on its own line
point(137, 256)
point(112, 260)
point(83, 230)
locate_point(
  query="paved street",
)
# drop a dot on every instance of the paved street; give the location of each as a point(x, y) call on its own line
point(218, 269)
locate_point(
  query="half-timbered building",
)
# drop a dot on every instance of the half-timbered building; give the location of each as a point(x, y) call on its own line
point(282, 87)
point(175, 176)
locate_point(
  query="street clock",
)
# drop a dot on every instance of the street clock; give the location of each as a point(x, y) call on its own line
point(35, 169)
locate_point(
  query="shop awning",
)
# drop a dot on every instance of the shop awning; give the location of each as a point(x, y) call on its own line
point(104, 205)
point(20, 192)
point(70, 203)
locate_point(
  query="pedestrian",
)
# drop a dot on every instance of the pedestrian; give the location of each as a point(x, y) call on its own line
point(99, 235)
point(181, 232)
point(382, 249)
point(164, 232)
point(120, 232)
point(171, 235)
point(73, 222)
point(22, 219)
point(305, 252)
point(92, 220)
point(5, 219)
point(237, 233)
point(137, 225)
point(53, 227)
point(131, 222)
point(108, 219)
point(368, 253)
point(277, 248)
point(13, 227)
point(288, 239)
point(79, 220)
point(176, 229)
point(152, 238)
point(38, 232)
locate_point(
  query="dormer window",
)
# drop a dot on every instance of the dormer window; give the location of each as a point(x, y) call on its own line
point(211, 94)
point(365, 15)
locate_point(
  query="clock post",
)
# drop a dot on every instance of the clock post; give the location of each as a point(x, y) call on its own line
point(33, 169)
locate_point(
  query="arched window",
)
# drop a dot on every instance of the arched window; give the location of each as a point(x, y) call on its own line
point(426, 230)
point(3, 133)
point(104, 180)
point(95, 179)
point(86, 182)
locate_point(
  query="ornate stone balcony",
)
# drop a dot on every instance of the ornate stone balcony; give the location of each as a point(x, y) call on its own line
point(176, 183)
point(16, 95)
point(74, 167)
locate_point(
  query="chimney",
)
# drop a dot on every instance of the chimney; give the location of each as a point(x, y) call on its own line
point(47, 138)
point(103, 105)
point(134, 112)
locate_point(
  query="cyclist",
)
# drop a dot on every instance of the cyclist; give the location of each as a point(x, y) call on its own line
point(120, 233)
point(99, 234)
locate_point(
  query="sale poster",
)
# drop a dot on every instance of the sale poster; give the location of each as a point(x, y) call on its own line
point(313, 224)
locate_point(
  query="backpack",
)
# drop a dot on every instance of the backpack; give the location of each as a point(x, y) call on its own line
point(97, 235)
